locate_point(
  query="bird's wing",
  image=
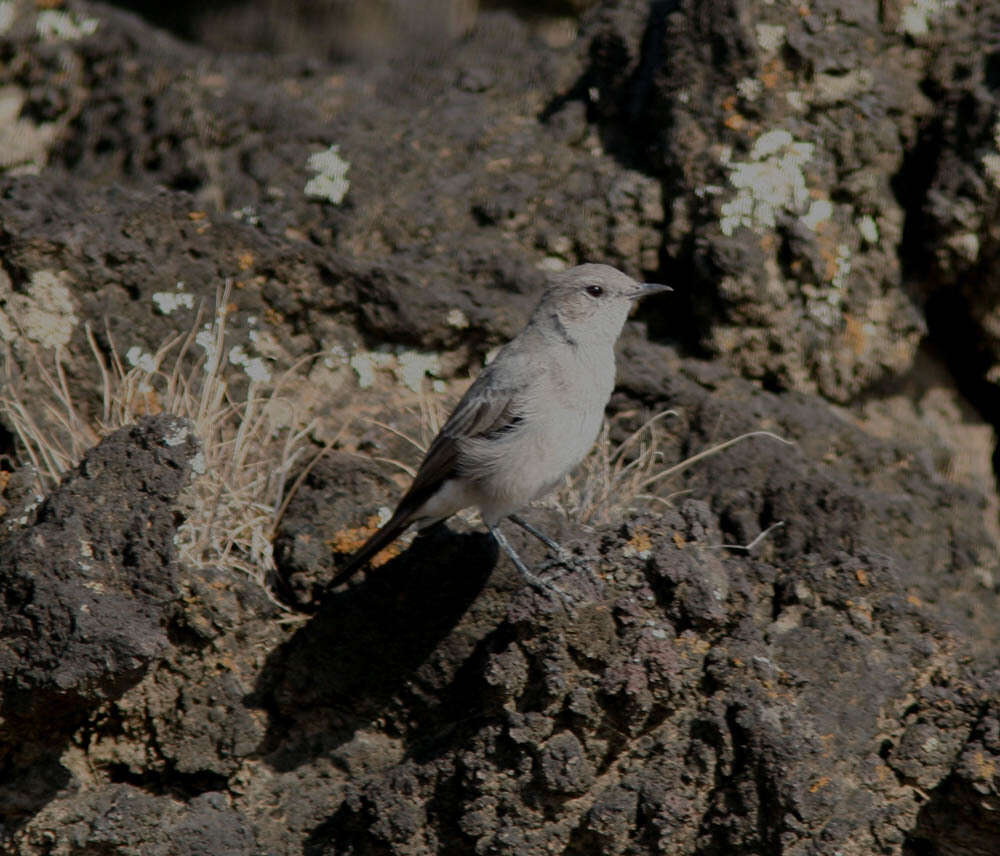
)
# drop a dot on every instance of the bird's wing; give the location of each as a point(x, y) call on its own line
point(488, 409)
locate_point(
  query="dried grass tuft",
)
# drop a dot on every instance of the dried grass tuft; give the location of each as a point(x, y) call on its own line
point(609, 483)
point(613, 482)
point(250, 434)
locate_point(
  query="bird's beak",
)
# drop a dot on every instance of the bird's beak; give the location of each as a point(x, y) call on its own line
point(647, 288)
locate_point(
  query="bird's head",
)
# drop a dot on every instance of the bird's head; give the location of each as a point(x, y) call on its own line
point(592, 301)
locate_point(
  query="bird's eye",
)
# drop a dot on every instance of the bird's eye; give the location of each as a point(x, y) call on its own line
point(595, 290)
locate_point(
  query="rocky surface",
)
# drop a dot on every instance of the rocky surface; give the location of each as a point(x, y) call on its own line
point(778, 162)
point(89, 583)
point(818, 183)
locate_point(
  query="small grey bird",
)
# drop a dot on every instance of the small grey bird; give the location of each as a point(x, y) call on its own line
point(528, 419)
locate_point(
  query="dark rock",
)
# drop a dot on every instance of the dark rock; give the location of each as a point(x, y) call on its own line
point(331, 508)
point(122, 818)
point(563, 767)
point(87, 583)
point(775, 136)
point(959, 815)
point(950, 183)
point(611, 818)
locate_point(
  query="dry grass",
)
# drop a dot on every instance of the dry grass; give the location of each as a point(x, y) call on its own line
point(249, 434)
point(615, 481)
point(610, 482)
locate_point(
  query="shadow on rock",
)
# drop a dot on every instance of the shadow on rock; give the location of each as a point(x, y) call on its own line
point(367, 644)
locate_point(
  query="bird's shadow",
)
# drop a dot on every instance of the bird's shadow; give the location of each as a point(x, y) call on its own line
point(366, 644)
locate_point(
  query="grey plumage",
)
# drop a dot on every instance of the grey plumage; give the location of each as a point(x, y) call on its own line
point(530, 416)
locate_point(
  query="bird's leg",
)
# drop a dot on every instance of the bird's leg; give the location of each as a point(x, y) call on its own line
point(564, 555)
point(531, 578)
point(554, 546)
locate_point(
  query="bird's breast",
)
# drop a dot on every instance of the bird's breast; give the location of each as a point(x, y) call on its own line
point(574, 411)
point(561, 412)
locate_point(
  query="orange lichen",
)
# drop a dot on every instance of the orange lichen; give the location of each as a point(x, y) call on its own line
point(828, 741)
point(353, 538)
point(640, 542)
point(820, 783)
point(734, 122)
point(855, 336)
point(986, 768)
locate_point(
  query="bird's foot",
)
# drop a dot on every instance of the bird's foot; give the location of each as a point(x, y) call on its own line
point(562, 555)
point(544, 586)
point(548, 588)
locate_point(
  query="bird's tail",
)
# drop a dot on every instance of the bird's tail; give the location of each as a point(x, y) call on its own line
point(386, 535)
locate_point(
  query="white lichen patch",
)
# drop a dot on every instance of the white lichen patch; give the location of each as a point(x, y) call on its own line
point(336, 355)
point(916, 18)
point(842, 265)
point(837, 88)
point(207, 339)
point(168, 302)
point(770, 37)
point(46, 314)
point(965, 244)
point(177, 434)
point(247, 214)
point(868, 228)
point(825, 304)
point(140, 359)
point(254, 367)
point(24, 145)
point(414, 366)
point(28, 508)
point(330, 182)
point(408, 368)
point(6, 15)
point(771, 181)
point(820, 211)
point(457, 318)
point(750, 88)
point(796, 100)
point(713, 189)
point(56, 25)
point(198, 465)
point(367, 363)
point(267, 344)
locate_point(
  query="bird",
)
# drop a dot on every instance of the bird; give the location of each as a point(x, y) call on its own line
point(530, 416)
